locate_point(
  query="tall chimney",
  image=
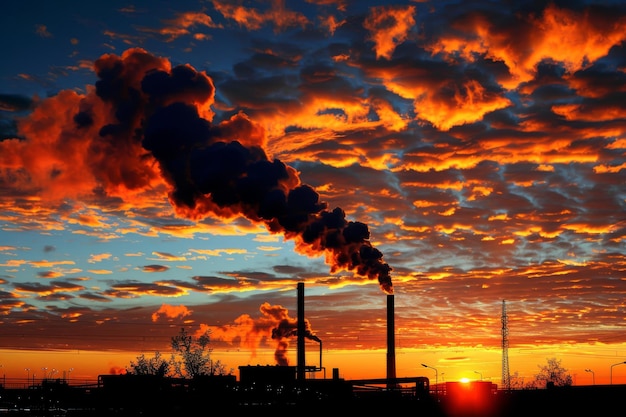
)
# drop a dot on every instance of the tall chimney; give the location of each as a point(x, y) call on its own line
point(391, 344)
point(300, 333)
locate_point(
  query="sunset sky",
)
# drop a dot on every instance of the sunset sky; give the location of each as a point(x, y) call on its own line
point(186, 164)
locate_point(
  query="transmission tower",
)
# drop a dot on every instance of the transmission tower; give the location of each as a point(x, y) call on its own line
point(506, 378)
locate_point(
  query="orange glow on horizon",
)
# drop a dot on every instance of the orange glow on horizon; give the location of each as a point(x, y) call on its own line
point(524, 363)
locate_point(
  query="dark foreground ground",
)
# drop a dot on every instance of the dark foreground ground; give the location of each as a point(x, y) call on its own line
point(594, 401)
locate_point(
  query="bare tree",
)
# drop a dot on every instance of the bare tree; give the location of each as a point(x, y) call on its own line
point(155, 365)
point(192, 356)
point(553, 374)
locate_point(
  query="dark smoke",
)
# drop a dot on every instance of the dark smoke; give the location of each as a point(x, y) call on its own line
point(286, 329)
point(274, 322)
point(212, 169)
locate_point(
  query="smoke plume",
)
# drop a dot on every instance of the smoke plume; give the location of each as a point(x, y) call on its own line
point(274, 323)
point(145, 123)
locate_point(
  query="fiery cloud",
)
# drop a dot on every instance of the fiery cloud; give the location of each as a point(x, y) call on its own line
point(253, 19)
point(388, 27)
point(571, 37)
point(170, 311)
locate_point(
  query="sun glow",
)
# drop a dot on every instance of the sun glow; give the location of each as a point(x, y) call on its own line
point(465, 380)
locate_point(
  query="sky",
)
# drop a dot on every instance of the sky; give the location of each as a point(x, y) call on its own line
point(168, 165)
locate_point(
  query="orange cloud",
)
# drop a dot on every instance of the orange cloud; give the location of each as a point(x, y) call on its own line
point(253, 19)
point(189, 19)
point(219, 252)
point(469, 103)
point(181, 25)
point(50, 274)
point(47, 264)
point(331, 23)
point(171, 312)
point(443, 101)
point(389, 26)
point(99, 257)
point(100, 271)
point(606, 112)
point(574, 39)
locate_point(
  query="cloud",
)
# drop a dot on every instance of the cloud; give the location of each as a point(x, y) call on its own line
point(253, 19)
point(168, 256)
point(42, 30)
point(522, 42)
point(131, 289)
point(49, 274)
point(99, 257)
point(15, 102)
point(388, 27)
point(47, 289)
point(155, 268)
point(46, 264)
point(170, 311)
point(218, 252)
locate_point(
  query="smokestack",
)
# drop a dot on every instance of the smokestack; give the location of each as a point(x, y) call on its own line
point(300, 333)
point(391, 345)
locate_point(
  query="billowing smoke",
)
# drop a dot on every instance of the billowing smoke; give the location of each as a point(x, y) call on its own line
point(287, 328)
point(143, 111)
point(274, 323)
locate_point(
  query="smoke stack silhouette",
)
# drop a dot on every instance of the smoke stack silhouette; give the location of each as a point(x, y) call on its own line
point(391, 342)
point(300, 367)
point(285, 329)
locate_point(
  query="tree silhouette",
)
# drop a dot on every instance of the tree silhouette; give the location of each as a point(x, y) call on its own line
point(192, 356)
point(553, 374)
point(155, 365)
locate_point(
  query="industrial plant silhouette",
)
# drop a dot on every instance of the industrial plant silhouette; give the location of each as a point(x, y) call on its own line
point(295, 388)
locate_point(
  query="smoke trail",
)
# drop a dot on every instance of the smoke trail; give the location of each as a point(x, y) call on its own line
point(274, 322)
point(286, 328)
point(142, 111)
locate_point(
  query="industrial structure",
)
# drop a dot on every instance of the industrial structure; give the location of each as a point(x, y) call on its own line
point(506, 376)
point(391, 342)
point(274, 387)
point(274, 376)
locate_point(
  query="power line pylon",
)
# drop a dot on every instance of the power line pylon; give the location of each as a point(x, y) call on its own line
point(506, 378)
